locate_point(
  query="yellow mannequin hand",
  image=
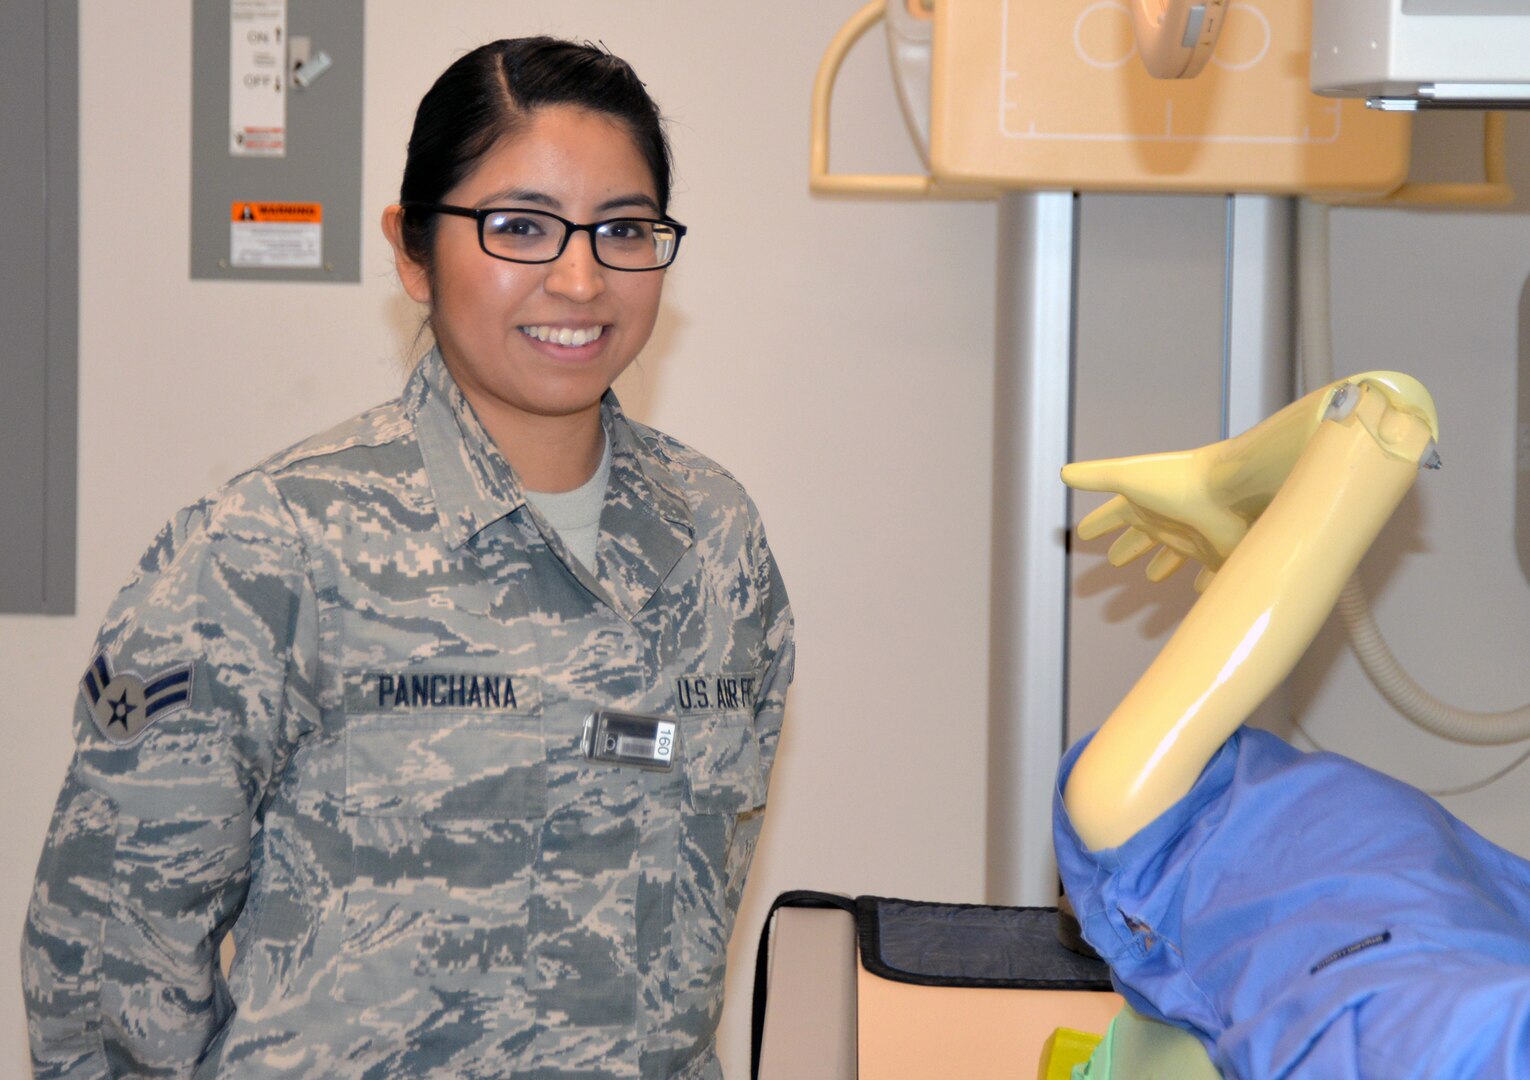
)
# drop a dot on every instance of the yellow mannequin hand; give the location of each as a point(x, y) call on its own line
point(1164, 502)
point(1199, 504)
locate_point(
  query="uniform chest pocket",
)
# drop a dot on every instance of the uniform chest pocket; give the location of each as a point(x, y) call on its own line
point(721, 758)
point(723, 812)
point(443, 746)
point(448, 769)
point(444, 808)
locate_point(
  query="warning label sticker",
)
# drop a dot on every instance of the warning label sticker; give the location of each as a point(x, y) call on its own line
point(288, 235)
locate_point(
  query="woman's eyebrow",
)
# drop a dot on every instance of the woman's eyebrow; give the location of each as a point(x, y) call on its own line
point(520, 195)
point(635, 199)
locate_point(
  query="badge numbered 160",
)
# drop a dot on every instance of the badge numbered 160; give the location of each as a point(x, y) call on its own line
point(644, 742)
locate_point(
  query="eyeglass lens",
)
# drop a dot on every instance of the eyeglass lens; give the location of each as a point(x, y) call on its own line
point(527, 236)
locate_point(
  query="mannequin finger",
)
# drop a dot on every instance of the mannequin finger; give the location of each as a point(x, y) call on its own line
point(1163, 564)
point(1091, 475)
point(1147, 479)
point(1103, 519)
point(1132, 544)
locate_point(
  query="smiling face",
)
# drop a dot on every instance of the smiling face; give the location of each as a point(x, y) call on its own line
point(529, 343)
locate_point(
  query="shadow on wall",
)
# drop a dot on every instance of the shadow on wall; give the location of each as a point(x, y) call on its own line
point(1447, 148)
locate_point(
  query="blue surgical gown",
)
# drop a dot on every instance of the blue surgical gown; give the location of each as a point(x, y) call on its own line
point(1308, 917)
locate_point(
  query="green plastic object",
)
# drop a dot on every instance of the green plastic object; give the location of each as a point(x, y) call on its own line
point(1137, 1048)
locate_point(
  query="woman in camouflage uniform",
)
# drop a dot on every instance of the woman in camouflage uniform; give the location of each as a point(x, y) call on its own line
point(340, 711)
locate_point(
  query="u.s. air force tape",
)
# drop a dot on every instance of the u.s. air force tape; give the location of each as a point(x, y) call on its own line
point(124, 704)
point(722, 692)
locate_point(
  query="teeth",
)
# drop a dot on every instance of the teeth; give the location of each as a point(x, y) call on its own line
point(563, 335)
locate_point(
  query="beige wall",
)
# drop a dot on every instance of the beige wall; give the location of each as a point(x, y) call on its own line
point(835, 355)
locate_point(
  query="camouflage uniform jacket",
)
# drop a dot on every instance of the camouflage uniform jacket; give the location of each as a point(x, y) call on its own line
point(338, 712)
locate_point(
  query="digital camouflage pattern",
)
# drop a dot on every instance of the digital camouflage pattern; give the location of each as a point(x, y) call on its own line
point(377, 781)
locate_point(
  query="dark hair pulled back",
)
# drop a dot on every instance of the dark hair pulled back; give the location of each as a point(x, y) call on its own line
point(492, 91)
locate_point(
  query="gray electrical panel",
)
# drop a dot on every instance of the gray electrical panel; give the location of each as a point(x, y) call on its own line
point(276, 122)
point(39, 304)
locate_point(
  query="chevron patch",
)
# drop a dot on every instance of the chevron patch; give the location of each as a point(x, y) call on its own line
point(124, 704)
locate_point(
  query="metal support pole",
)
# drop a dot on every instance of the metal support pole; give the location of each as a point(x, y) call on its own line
point(1028, 651)
point(1259, 303)
point(1259, 347)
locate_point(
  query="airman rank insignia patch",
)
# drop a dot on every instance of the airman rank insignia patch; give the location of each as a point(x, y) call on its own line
point(124, 704)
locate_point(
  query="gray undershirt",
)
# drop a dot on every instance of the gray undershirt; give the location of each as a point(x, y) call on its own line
point(575, 515)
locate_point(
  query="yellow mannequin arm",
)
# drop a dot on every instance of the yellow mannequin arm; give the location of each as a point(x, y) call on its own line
point(1281, 514)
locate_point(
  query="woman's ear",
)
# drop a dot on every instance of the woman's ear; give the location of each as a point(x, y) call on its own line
point(413, 274)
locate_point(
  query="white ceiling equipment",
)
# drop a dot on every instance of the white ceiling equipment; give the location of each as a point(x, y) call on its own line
point(1413, 54)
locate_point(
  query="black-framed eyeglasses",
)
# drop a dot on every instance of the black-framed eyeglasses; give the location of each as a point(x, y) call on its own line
point(535, 236)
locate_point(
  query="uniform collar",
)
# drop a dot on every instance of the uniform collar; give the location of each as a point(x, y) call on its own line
point(646, 522)
point(473, 483)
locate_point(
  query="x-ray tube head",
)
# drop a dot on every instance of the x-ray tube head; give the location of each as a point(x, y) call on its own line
point(1176, 37)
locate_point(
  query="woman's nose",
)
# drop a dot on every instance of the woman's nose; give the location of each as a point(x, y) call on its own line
point(576, 274)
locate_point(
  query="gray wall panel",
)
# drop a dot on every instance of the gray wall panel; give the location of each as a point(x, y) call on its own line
point(62, 403)
point(38, 304)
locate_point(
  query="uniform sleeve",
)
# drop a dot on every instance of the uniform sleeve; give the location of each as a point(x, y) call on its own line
point(780, 648)
point(199, 687)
